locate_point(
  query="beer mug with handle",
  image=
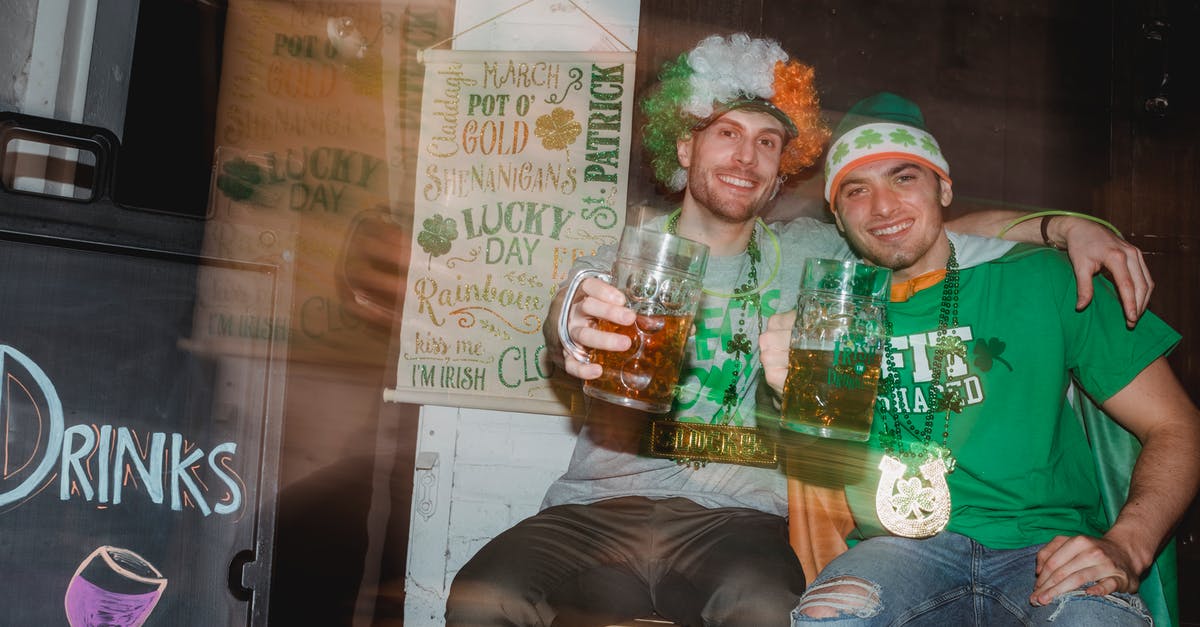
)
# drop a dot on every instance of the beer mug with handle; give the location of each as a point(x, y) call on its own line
point(837, 348)
point(661, 276)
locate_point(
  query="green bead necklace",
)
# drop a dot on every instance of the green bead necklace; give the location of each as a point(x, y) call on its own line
point(907, 506)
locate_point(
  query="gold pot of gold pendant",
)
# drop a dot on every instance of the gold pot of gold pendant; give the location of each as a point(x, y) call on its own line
point(916, 507)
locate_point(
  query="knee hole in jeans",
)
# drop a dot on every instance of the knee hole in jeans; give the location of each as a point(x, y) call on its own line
point(1126, 602)
point(839, 597)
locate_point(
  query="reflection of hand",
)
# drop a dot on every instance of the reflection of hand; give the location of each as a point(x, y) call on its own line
point(773, 348)
point(600, 301)
point(1067, 563)
point(1093, 247)
point(375, 268)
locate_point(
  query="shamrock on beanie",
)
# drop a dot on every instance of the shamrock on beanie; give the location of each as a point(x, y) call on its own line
point(883, 126)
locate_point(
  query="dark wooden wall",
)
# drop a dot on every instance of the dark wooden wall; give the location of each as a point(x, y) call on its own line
point(1037, 105)
point(1155, 191)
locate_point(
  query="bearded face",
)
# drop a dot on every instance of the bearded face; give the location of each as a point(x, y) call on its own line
point(733, 164)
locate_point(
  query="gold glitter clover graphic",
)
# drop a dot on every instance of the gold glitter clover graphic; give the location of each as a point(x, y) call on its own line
point(558, 129)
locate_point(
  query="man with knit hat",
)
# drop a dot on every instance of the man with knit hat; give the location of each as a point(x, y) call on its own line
point(636, 524)
point(977, 499)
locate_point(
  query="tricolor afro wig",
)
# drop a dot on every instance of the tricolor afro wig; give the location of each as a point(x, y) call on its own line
point(721, 74)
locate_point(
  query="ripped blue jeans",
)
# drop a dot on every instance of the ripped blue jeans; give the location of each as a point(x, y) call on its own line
point(948, 580)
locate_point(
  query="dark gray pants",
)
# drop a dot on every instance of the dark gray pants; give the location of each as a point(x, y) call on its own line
point(624, 558)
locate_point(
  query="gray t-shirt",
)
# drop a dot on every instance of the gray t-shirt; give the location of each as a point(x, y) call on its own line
point(606, 463)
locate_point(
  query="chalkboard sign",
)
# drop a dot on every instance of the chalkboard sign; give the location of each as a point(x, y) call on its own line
point(137, 465)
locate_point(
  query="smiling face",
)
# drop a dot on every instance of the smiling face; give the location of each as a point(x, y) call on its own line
point(733, 164)
point(891, 212)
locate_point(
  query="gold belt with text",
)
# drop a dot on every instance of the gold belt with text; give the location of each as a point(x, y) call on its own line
point(692, 442)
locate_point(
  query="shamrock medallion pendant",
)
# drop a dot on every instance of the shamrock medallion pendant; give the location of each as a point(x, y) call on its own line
point(911, 507)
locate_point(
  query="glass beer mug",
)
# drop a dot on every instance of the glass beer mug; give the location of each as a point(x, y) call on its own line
point(661, 276)
point(836, 349)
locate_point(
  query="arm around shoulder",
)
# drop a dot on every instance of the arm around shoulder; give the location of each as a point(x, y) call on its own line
point(1092, 244)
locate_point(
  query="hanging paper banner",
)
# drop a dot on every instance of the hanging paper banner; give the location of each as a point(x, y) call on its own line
point(522, 166)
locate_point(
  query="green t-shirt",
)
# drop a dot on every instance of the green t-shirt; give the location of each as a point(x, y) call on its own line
point(1024, 468)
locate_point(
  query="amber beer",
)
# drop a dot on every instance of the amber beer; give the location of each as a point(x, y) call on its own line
point(836, 349)
point(648, 371)
point(828, 396)
point(661, 276)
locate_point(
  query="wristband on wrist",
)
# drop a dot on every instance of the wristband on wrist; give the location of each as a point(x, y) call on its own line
point(1046, 216)
point(1045, 235)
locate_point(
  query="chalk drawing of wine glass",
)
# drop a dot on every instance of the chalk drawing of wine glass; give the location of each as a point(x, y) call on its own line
point(113, 587)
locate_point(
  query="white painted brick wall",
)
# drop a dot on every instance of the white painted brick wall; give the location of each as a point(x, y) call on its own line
point(492, 471)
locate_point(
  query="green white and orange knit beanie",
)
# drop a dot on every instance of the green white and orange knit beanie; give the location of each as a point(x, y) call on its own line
point(883, 126)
